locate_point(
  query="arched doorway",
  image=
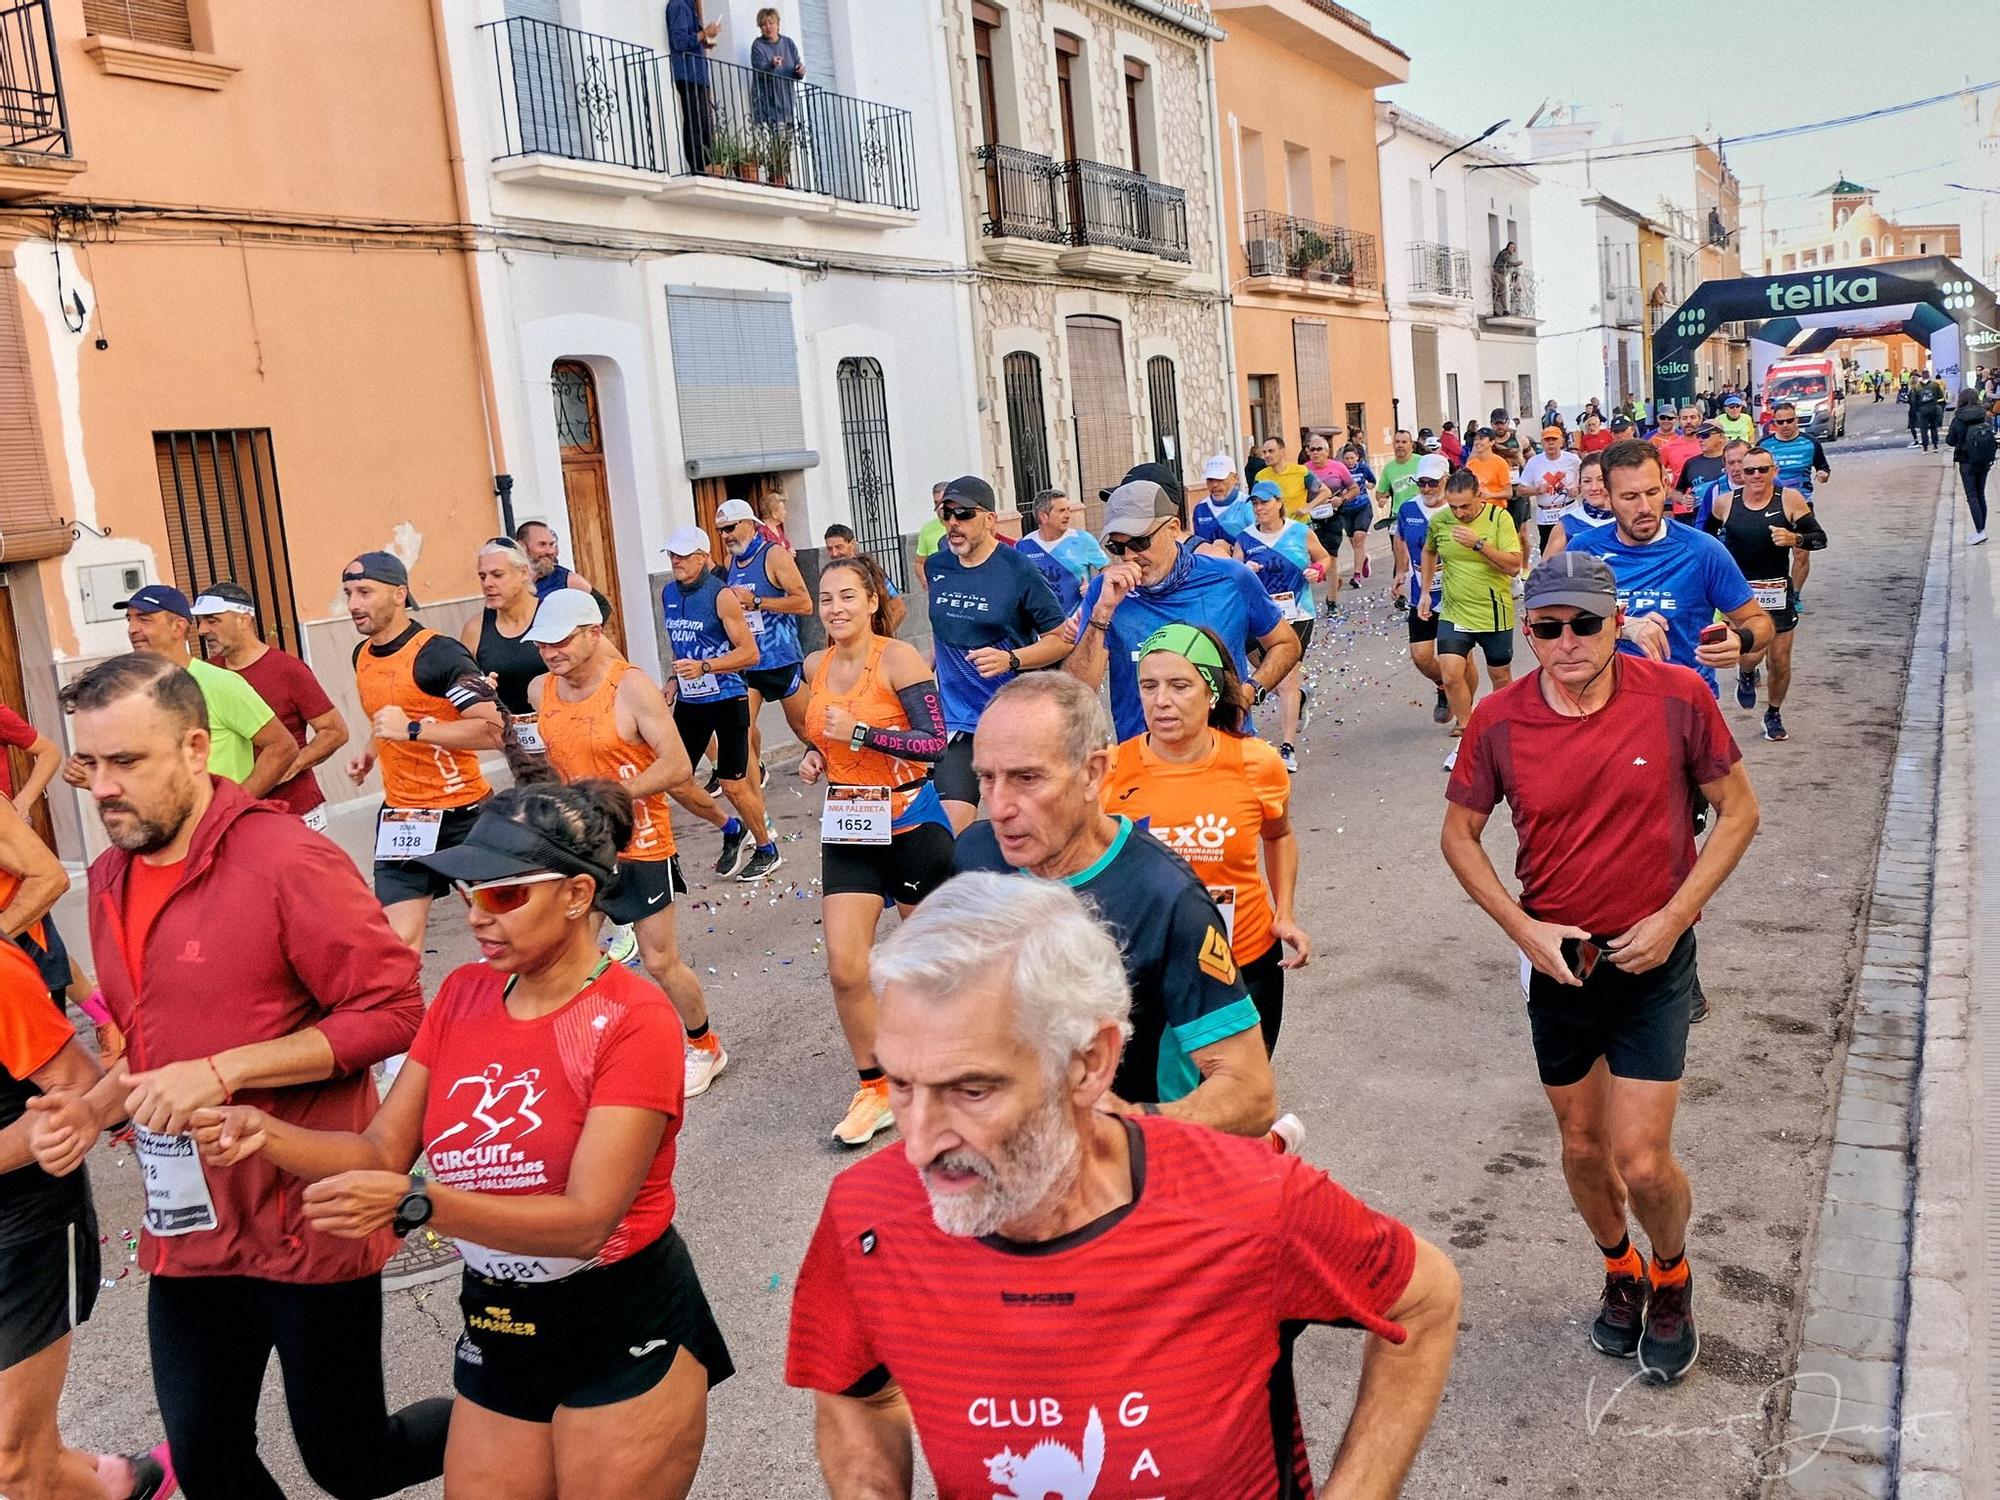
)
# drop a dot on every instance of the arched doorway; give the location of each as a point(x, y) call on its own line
point(586, 490)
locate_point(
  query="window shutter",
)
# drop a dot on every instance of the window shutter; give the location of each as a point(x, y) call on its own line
point(736, 377)
point(1315, 372)
point(29, 526)
point(1102, 411)
point(164, 22)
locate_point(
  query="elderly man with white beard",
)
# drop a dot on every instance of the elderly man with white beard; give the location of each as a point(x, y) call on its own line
point(1022, 1285)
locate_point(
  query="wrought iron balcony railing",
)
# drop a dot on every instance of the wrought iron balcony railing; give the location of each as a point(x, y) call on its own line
point(1286, 245)
point(1621, 306)
point(1030, 196)
point(1440, 271)
point(33, 115)
point(1509, 293)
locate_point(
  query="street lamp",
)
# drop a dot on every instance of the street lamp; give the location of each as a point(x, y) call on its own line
point(1494, 129)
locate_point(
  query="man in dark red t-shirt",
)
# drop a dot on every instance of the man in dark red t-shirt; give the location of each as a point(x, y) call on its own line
point(227, 617)
point(1599, 756)
point(1026, 1281)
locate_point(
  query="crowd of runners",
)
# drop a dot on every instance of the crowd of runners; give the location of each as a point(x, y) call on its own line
point(1116, 715)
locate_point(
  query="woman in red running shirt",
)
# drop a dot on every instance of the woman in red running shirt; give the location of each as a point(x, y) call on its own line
point(545, 1089)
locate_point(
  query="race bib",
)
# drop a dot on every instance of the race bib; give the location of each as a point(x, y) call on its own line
point(315, 820)
point(1770, 593)
point(855, 815)
point(703, 686)
point(499, 1265)
point(177, 1197)
point(1323, 512)
point(755, 619)
point(407, 832)
point(528, 731)
point(1225, 902)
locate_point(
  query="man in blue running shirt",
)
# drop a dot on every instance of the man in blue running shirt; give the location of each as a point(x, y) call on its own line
point(1067, 556)
point(1801, 463)
point(772, 591)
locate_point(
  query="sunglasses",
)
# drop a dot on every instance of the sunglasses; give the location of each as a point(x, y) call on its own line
point(1118, 546)
point(958, 512)
point(1784, 421)
point(1551, 630)
point(499, 897)
point(1429, 484)
point(1757, 468)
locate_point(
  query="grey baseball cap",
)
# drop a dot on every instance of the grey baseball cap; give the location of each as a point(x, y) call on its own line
point(1137, 506)
point(1573, 578)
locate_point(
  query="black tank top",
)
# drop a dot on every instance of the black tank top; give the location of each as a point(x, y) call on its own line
point(512, 661)
point(1747, 535)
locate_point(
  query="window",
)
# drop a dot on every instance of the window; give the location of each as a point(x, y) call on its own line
point(1527, 395)
point(1314, 370)
point(871, 472)
point(163, 22)
point(1267, 412)
point(1888, 245)
point(1256, 191)
point(1416, 209)
point(1357, 420)
point(816, 43)
point(1027, 428)
point(985, 23)
point(1867, 246)
point(1451, 399)
point(29, 525)
point(736, 374)
point(1443, 217)
point(1163, 396)
point(1068, 50)
point(220, 492)
point(1100, 407)
point(1298, 181)
point(1336, 205)
point(1138, 111)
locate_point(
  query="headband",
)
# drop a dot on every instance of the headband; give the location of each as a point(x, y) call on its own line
point(1189, 641)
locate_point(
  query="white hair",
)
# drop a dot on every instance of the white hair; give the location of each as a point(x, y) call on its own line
point(1060, 966)
point(513, 551)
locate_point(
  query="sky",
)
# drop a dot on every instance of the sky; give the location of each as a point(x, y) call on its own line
point(1702, 66)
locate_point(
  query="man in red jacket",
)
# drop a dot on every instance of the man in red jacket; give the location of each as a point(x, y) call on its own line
point(244, 958)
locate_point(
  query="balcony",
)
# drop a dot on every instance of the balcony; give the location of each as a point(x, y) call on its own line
point(34, 120)
point(1621, 306)
point(1083, 216)
point(1295, 254)
point(1507, 300)
point(1439, 275)
point(595, 114)
point(1658, 317)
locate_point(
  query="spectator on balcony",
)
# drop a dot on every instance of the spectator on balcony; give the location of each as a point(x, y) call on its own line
point(1506, 277)
point(774, 58)
point(689, 41)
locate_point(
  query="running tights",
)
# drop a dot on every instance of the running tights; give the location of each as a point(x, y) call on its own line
point(212, 1336)
point(1973, 477)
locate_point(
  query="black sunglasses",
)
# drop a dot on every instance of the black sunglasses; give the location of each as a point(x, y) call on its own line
point(1783, 421)
point(1758, 469)
point(1551, 630)
point(1429, 484)
point(1118, 546)
point(959, 512)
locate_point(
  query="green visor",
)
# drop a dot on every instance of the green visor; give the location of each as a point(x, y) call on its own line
point(1193, 643)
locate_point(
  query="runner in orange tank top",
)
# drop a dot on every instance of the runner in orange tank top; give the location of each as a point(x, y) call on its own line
point(430, 712)
point(600, 716)
point(1219, 799)
point(875, 723)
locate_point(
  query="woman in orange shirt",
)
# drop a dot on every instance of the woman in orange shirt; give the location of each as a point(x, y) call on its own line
point(875, 724)
point(1220, 799)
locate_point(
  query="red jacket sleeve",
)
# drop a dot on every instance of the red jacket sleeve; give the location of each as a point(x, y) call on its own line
point(339, 944)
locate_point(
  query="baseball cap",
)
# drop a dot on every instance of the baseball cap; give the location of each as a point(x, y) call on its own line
point(1432, 466)
point(1218, 466)
point(1166, 476)
point(1263, 489)
point(561, 615)
point(224, 597)
point(1136, 506)
point(1554, 430)
point(382, 567)
point(682, 541)
point(1621, 424)
point(1573, 578)
point(157, 598)
point(1707, 429)
point(1732, 400)
point(970, 489)
point(731, 511)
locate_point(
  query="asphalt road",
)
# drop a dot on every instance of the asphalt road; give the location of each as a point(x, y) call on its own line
point(1405, 1050)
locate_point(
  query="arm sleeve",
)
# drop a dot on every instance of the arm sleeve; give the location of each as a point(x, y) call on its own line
point(15, 730)
point(629, 1074)
point(828, 1348)
point(1819, 457)
point(1202, 989)
point(445, 669)
point(339, 944)
point(1338, 1260)
point(925, 738)
point(32, 1031)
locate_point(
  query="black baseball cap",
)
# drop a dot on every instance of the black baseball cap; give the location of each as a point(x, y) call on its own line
point(970, 489)
point(1499, 415)
point(382, 567)
point(1165, 477)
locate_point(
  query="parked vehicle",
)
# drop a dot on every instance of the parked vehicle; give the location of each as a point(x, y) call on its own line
point(1812, 384)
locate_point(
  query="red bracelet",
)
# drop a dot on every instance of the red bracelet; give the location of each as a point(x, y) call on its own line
point(227, 1097)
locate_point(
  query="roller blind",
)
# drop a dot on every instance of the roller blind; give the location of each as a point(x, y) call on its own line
point(736, 377)
point(29, 526)
point(162, 21)
point(1315, 372)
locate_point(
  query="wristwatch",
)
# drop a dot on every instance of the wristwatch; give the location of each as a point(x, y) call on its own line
point(1258, 692)
point(1013, 661)
point(416, 728)
point(858, 738)
point(415, 1209)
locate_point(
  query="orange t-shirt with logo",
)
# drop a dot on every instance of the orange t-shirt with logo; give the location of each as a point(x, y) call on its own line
point(584, 741)
point(1496, 478)
point(1211, 812)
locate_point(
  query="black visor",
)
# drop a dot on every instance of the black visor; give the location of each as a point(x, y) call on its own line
point(498, 847)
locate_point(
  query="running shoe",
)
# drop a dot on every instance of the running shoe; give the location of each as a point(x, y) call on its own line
point(1305, 706)
point(704, 1060)
point(621, 945)
point(152, 1475)
point(1746, 689)
point(762, 863)
point(713, 784)
point(1774, 724)
point(1441, 710)
point(1288, 1135)
point(1451, 760)
point(1976, 539)
point(867, 1117)
point(1669, 1345)
point(736, 852)
point(1621, 1316)
point(1798, 601)
point(1289, 757)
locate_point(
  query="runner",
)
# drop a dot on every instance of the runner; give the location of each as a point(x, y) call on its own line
point(1801, 463)
point(1679, 444)
point(600, 716)
point(18, 734)
point(839, 544)
point(1593, 436)
point(875, 722)
point(1043, 753)
point(1224, 510)
point(1218, 798)
point(1298, 487)
point(430, 712)
point(1067, 556)
point(1733, 453)
point(767, 583)
point(1761, 527)
point(541, 1090)
point(1412, 530)
point(1506, 441)
point(1549, 482)
point(712, 643)
point(1735, 422)
point(227, 619)
point(1599, 756)
point(538, 540)
point(1590, 509)
point(1027, 1245)
point(497, 635)
point(1494, 473)
point(241, 955)
point(1288, 560)
point(1699, 473)
point(1342, 509)
point(1397, 484)
point(1475, 548)
point(992, 616)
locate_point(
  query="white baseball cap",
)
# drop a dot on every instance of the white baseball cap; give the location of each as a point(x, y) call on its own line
point(1221, 466)
point(561, 615)
point(683, 541)
point(1432, 466)
point(731, 511)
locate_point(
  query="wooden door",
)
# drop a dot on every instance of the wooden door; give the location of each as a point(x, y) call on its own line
point(13, 694)
point(708, 497)
point(586, 490)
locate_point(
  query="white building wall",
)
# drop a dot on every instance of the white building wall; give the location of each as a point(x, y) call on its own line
point(1570, 350)
point(1406, 159)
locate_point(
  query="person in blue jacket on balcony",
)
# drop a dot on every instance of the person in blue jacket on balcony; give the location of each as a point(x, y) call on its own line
point(689, 40)
point(775, 59)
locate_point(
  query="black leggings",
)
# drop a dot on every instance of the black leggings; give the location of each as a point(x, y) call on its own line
point(212, 1336)
point(1973, 477)
point(1265, 982)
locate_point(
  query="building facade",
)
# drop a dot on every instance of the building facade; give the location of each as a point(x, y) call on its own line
point(1302, 204)
point(1089, 187)
point(258, 391)
point(1853, 232)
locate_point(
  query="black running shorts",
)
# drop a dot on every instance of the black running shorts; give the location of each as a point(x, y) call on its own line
point(645, 888)
point(727, 721)
point(398, 880)
point(774, 684)
point(908, 868)
point(1638, 1023)
point(954, 776)
point(48, 1286)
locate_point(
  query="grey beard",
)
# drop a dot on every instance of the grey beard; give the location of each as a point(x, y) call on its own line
point(1037, 1163)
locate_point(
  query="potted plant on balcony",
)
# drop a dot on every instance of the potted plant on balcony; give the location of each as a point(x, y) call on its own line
point(750, 156)
point(1309, 252)
point(725, 152)
point(778, 155)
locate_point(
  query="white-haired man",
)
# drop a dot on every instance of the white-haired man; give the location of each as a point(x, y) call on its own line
point(930, 1299)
